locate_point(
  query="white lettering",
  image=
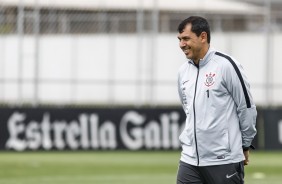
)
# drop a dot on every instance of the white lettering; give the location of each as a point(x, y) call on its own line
point(152, 135)
point(94, 131)
point(165, 131)
point(133, 138)
point(15, 128)
point(73, 131)
point(46, 128)
point(108, 135)
point(84, 131)
point(33, 135)
point(59, 129)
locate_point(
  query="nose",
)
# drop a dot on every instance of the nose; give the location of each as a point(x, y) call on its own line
point(182, 43)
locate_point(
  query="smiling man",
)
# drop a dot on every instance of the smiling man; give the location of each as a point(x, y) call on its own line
point(220, 113)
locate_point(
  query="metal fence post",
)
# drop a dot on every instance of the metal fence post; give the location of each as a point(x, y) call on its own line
point(20, 33)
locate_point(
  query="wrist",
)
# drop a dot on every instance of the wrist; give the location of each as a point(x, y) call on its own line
point(248, 148)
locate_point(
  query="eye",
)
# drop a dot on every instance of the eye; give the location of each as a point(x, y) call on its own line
point(186, 38)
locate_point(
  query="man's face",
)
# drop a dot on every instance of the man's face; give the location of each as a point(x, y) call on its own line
point(190, 43)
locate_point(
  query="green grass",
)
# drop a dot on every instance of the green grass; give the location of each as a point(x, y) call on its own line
point(116, 167)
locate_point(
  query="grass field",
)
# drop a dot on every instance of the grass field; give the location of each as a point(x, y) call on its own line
point(117, 168)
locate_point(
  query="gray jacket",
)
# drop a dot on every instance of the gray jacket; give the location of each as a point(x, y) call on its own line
point(220, 112)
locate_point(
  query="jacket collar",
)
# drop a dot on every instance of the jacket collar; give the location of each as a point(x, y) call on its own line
point(206, 58)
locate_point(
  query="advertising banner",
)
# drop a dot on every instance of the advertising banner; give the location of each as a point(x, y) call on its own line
point(272, 128)
point(90, 129)
point(129, 128)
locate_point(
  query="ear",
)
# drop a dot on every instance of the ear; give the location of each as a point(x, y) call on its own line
point(204, 37)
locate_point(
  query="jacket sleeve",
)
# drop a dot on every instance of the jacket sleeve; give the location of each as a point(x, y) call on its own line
point(238, 86)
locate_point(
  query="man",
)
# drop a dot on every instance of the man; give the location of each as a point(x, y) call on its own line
point(220, 113)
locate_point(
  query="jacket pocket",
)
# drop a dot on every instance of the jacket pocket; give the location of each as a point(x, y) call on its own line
point(216, 146)
point(187, 143)
point(226, 141)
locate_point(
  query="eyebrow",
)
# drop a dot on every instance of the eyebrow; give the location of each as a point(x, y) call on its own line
point(183, 37)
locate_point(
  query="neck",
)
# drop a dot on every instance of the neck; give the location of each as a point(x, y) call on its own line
point(202, 54)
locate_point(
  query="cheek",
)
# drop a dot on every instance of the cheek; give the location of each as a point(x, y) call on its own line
point(197, 46)
point(182, 44)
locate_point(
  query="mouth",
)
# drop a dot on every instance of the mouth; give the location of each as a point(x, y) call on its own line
point(186, 50)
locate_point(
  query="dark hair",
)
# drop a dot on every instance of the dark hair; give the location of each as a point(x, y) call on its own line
point(199, 25)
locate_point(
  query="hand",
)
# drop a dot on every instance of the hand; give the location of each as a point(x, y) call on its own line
point(246, 161)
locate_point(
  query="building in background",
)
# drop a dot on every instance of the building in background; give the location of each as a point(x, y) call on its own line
point(125, 16)
point(275, 7)
point(125, 52)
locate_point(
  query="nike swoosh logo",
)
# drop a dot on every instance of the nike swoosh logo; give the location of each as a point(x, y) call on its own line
point(229, 176)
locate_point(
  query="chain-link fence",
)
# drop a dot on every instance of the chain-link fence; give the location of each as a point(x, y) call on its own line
point(77, 53)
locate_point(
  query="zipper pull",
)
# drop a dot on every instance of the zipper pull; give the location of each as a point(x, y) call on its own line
point(208, 93)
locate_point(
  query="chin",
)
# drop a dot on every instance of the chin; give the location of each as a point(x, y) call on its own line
point(188, 57)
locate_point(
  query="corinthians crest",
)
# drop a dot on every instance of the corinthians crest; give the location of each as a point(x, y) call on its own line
point(210, 79)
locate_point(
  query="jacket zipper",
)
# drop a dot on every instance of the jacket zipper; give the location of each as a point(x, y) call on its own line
point(195, 136)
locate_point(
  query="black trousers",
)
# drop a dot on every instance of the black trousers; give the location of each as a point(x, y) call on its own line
point(218, 174)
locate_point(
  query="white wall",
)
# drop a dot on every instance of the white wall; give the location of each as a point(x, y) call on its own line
point(107, 69)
